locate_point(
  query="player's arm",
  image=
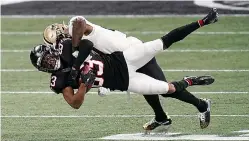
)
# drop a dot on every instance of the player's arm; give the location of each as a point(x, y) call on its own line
point(85, 47)
point(75, 100)
point(77, 28)
point(59, 84)
point(84, 50)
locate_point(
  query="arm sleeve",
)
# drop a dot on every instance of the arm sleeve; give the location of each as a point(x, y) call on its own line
point(85, 47)
point(70, 24)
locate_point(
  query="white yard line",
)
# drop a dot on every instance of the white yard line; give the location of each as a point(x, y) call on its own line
point(140, 32)
point(121, 16)
point(207, 50)
point(199, 33)
point(106, 116)
point(173, 136)
point(165, 70)
point(18, 70)
point(21, 33)
point(242, 131)
point(171, 50)
point(15, 51)
point(204, 70)
point(113, 93)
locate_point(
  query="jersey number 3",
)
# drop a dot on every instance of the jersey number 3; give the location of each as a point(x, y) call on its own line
point(53, 80)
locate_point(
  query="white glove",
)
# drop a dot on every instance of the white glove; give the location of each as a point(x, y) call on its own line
point(102, 91)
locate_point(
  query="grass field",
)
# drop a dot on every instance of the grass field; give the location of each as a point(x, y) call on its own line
point(29, 112)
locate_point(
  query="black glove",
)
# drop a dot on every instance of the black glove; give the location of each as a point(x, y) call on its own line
point(88, 78)
point(73, 77)
point(74, 73)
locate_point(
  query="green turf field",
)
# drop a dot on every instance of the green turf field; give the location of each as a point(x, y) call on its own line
point(29, 112)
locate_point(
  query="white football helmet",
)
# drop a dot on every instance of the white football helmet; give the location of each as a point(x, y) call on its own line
point(54, 33)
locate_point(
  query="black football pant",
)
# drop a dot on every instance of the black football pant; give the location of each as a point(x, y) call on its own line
point(152, 69)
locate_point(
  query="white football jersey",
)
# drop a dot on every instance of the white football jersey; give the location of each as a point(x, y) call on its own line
point(105, 40)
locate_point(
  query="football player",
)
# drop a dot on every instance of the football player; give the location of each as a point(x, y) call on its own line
point(115, 71)
point(109, 41)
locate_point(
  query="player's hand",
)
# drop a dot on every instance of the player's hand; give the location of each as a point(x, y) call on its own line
point(87, 76)
point(102, 91)
point(74, 74)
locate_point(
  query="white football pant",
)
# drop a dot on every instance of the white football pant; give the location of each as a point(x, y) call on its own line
point(137, 56)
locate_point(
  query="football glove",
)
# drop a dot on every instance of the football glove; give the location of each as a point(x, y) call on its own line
point(73, 77)
point(87, 76)
point(74, 73)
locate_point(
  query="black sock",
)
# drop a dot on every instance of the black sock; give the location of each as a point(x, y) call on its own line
point(154, 102)
point(180, 85)
point(179, 34)
point(202, 106)
point(187, 97)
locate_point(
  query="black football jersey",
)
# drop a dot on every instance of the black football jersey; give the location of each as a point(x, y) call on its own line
point(59, 79)
point(110, 69)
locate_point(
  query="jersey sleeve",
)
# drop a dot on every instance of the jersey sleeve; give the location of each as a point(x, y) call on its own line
point(85, 47)
point(57, 83)
point(70, 23)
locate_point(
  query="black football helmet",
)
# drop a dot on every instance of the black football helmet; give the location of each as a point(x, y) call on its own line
point(45, 58)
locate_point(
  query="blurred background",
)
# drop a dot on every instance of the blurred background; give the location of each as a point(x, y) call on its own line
point(29, 7)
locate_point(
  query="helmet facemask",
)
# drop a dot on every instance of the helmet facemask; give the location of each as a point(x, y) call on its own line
point(50, 62)
point(48, 59)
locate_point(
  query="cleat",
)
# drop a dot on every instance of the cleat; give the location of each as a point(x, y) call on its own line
point(212, 17)
point(205, 116)
point(153, 124)
point(199, 80)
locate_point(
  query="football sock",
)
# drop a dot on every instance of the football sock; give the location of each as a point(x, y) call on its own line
point(180, 33)
point(180, 85)
point(187, 97)
point(154, 102)
point(202, 107)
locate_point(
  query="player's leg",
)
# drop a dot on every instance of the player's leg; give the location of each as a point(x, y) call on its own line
point(153, 70)
point(140, 54)
point(181, 32)
point(203, 105)
point(161, 119)
point(143, 84)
